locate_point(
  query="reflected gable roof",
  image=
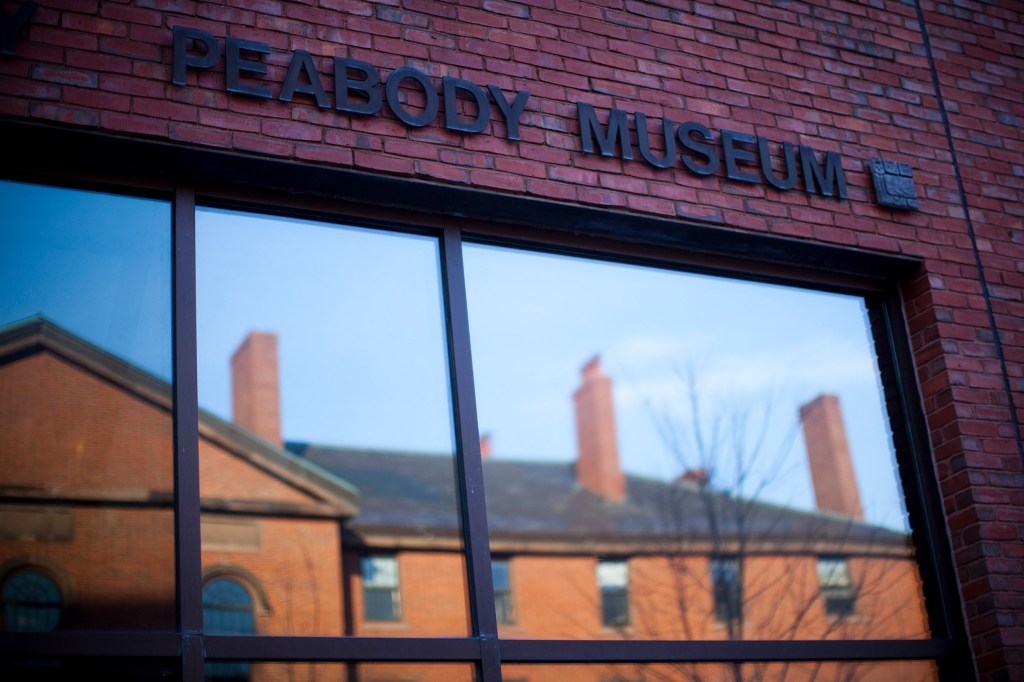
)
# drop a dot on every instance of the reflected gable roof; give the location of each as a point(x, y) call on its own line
point(541, 505)
point(329, 495)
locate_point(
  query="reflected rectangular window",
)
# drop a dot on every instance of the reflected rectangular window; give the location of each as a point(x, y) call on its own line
point(613, 582)
point(836, 585)
point(503, 604)
point(726, 587)
point(381, 596)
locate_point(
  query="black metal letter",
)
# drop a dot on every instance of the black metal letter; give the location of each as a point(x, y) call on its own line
point(766, 164)
point(734, 154)
point(367, 85)
point(183, 60)
point(303, 61)
point(668, 131)
point(236, 65)
point(391, 89)
point(513, 111)
point(685, 136)
point(590, 129)
point(451, 114)
point(828, 182)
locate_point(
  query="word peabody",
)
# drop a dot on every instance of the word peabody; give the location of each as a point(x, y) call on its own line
point(357, 90)
point(356, 84)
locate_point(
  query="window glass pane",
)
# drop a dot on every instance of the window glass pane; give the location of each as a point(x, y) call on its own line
point(326, 451)
point(716, 436)
point(85, 411)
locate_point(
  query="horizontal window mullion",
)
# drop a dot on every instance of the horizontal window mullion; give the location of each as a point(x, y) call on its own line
point(263, 648)
point(90, 643)
point(607, 651)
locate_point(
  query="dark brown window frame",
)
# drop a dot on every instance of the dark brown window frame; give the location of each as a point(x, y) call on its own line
point(189, 176)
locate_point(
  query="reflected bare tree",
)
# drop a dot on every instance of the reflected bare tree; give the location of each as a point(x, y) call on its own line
point(740, 567)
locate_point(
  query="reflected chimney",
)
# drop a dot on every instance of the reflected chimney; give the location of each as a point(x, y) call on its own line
point(835, 486)
point(485, 446)
point(255, 398)
point(695, 477)
point(597, 464)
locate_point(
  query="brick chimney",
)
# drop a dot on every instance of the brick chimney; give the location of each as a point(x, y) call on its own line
point(255, 396)
point(597, 464)
point(835, 485)
point(485, 446)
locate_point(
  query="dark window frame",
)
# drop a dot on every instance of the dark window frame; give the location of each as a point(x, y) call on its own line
point(96, 161)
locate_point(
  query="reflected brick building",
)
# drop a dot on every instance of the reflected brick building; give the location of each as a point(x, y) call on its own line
point(322, 539)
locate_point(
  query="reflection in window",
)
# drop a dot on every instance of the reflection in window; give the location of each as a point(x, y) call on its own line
point(322, 350)
point(613, 582)
point(85, 407)
point(836, 586)
point(722, 434)
point(227, 610)
point(725, 583)
point(31, 602)
point(380, 588)
point(502, 591)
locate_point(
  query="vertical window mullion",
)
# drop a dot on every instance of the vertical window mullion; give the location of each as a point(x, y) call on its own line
point(188, 553)
point(468, 461)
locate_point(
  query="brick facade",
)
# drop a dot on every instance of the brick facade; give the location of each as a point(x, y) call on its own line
point(935, 85)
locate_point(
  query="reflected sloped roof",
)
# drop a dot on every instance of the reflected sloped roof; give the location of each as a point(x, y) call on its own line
point(542, 500)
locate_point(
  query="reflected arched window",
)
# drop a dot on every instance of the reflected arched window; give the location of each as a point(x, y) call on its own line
point(227, 610)
point(31, 602)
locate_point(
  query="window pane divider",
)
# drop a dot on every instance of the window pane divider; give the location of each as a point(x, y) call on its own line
point(469, 463)
point(188, 551)
point(651, 651)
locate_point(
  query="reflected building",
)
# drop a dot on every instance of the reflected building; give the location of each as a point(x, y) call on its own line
point(322, 539)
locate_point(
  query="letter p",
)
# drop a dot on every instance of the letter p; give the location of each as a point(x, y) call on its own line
point(184, 60)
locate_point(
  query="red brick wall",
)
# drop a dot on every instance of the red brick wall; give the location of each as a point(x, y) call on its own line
point(978, 51)
point(851, 77)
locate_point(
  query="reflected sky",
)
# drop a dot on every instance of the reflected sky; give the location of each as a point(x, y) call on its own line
point(359, 319)
point(362, 340)
point(97, 264)
point(752, 351)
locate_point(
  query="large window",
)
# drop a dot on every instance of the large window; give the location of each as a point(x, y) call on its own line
point(318, 431)
point(720, 433)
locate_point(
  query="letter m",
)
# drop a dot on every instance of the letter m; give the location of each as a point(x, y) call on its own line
point(9, 27)
point(590, 129)
point(829, 181)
